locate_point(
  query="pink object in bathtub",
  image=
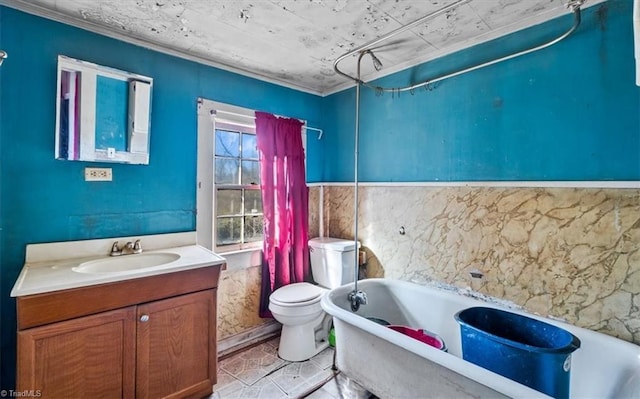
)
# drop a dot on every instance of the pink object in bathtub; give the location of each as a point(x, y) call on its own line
point(421, 335)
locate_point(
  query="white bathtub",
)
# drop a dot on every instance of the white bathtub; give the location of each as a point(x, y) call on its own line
point(392, 365)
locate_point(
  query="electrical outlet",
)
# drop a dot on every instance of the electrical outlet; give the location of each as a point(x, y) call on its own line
point(97, 174)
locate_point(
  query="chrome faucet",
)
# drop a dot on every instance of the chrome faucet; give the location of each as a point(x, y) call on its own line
point(127, 249)
point(357, 298)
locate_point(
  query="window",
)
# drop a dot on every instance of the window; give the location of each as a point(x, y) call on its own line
point(238, 203)
point(229, 213)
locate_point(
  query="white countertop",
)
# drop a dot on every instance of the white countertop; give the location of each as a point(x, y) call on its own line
point(40, 275)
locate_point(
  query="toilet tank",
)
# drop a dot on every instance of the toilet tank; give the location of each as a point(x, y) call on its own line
point(332, 261)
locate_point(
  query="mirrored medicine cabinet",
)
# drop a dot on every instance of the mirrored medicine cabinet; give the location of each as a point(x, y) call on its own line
point(102, 114)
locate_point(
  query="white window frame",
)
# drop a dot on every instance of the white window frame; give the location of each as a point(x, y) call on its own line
point(241, 128)
point(208, 111)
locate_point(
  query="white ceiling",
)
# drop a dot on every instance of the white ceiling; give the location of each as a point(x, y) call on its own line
point(295, 42)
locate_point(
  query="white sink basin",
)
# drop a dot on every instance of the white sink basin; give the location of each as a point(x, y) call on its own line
point(126, 263)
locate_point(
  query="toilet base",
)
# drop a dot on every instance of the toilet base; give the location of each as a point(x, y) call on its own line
point(299, 343)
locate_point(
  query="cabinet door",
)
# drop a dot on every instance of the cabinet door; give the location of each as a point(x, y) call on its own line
point(87, 357)
point(176, 347)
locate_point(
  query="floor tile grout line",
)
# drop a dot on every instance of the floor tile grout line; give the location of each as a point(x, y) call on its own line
point(319, 385)
point(285, 364)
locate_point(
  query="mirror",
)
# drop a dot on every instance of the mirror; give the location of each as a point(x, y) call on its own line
point(102, 114)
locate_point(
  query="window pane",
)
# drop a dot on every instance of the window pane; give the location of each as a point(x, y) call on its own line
point(253, 227)
point(227, 143)
point(229, 202)
point(249, 147)
point(252, 202)
point(228, 230)
point(250, 172)
point(239, 217)
point(227, 171)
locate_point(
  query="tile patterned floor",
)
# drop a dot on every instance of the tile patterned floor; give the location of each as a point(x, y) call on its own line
point(258, 373)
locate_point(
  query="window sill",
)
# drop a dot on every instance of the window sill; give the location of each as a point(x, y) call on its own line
point(242, 259)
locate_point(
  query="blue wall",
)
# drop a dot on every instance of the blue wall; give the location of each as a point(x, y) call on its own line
point(46, 200)
point(568, 112)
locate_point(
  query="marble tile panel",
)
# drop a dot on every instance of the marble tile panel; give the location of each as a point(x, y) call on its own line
point(570, 253)
point(238, 301)
point(314, 215)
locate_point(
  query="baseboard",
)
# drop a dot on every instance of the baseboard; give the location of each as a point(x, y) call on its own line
point(247, 338)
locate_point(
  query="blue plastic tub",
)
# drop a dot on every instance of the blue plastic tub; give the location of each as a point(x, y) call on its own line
point(526, 350)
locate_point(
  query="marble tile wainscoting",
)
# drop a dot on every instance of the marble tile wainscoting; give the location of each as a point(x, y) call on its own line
point(568, 253)
point(238, 301)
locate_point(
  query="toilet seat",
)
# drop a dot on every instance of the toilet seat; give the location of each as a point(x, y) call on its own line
point(305, 326)
point(297, 295)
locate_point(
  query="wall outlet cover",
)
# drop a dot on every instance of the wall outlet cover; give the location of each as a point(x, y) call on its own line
point(98, 174)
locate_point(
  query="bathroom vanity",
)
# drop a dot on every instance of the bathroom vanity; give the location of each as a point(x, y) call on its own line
point(145, 332)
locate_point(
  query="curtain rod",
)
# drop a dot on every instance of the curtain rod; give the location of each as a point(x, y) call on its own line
point(574, 5)
point(320, 132)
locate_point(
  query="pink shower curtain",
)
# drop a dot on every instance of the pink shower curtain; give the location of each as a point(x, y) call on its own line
point(285, 199)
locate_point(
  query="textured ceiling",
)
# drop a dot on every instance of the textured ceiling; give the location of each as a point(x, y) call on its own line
point(295, 42)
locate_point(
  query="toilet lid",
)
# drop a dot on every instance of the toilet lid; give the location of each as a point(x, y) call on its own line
point(297, 292)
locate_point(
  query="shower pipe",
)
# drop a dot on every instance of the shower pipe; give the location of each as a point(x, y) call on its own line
point(573, 5)
point(3, 56)
point(357, 297)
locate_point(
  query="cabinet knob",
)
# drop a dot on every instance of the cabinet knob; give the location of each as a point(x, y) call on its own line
point(144, 318)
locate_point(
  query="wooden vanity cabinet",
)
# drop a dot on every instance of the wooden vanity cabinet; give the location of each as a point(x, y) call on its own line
point(89, 357)
point(161, 343)
point(172, 347)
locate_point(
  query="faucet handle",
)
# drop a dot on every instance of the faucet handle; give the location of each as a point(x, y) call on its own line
point(115, 250)
point(357, 298)
point(137, 247)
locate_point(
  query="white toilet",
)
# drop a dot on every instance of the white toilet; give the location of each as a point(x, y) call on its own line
point(305, 326)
